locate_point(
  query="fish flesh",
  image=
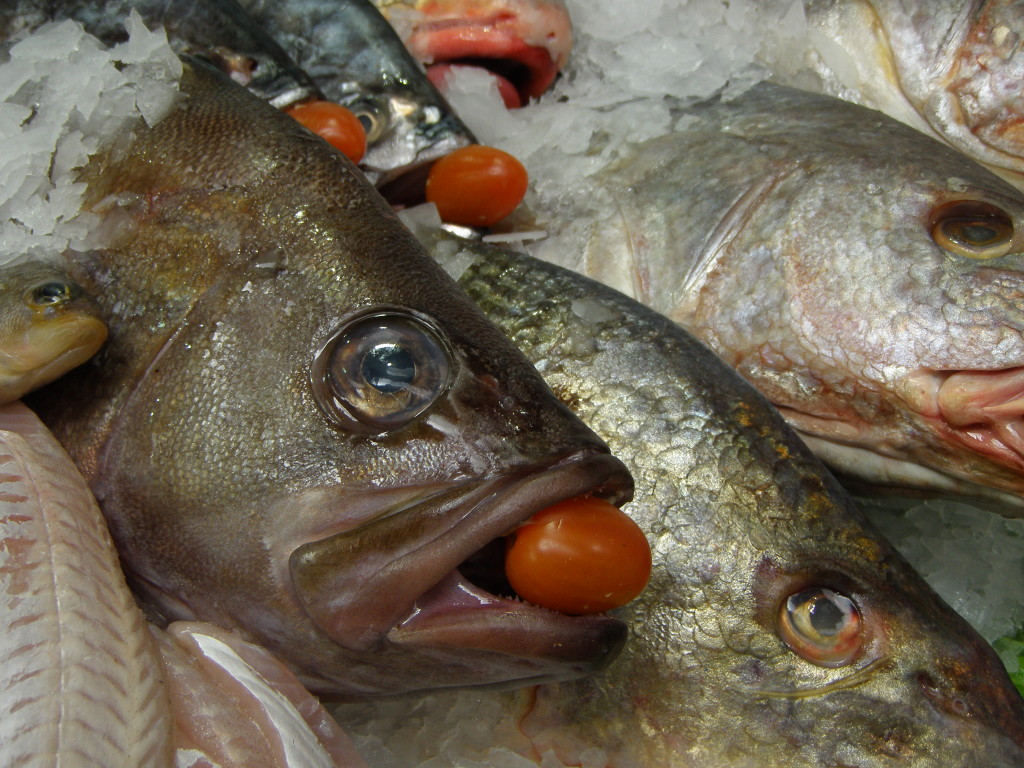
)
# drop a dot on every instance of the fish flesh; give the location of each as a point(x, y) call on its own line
point(864, 277)
point(85, 680)
point(723, 668)
point(359, 62)
point(523, 43)
point(299, 426)
point(952, 68)
point(47, 327)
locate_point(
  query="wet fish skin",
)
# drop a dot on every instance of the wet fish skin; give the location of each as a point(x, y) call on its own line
point(791, 233)
point(740, 516)
point(359, 62)
point(237, 495)
point(47, 327)
point(219, 31)
point(951, 68)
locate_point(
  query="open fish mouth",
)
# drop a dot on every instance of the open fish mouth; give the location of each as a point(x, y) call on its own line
point(523, 55)
point(432, 577)
point(981, 410)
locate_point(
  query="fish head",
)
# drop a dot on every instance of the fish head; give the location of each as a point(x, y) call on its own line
point(47, 327)
point(523, 43)
point(301, 427)
point(895, 271)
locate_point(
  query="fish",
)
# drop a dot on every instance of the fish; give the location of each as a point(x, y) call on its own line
point(951, 69)
point(866, 278)
point(86, 680)
point(523, 43)
point(359, 62)
point(300, 427)
point(219, 31)
point(731, 662)
point(47, 327)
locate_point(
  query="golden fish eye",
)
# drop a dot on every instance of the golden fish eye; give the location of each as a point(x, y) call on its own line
point(972, 228)
point(51, 293)
point(378, 372)
point(822, 626)
point(371, 117)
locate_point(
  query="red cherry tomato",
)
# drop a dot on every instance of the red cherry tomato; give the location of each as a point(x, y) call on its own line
point(579, 556)
point(476, 185)
point(335, 125)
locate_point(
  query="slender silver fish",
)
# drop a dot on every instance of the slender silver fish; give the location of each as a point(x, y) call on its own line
point(779, 630)
point(866, 278)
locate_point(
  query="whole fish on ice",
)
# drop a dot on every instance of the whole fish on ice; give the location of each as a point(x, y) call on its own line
point(85, 680)
point(300, 426)
point(863, 276)
point(778, 630)
point(953, 68)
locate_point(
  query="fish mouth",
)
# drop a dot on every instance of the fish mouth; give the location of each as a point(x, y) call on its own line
point(430, 579)
point(980, 410)
point(523, 59)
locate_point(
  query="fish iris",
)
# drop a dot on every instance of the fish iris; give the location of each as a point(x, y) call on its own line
point(973, 228)
point(821, 625)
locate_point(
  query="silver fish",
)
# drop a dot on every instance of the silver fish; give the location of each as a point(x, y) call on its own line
point(864, 277)
point(952, 68)
point(300, 426)
point(778, 630)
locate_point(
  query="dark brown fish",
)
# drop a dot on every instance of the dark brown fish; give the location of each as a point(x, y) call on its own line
point(300, 426)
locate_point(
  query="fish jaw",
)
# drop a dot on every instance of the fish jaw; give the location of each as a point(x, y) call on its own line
point(417, 599)
point(531, 36)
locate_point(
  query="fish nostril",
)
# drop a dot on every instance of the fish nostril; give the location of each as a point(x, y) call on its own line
point(954, 705)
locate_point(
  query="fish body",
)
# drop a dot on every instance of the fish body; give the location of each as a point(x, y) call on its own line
point(300, 427)
point(827, 253)
point(952, 68)
point(523, 42)
point(741, 518)
point(359, 62)
point(47, 327)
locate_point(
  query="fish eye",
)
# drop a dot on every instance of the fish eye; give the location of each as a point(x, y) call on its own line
point(822, 626)
point(371, 117)
point(380, 371)
point(51, 293)
point(972, 228)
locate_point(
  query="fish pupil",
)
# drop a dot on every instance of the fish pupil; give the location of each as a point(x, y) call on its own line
point(827, 618)
point(51, 293)
point(979, 234)
point(388, 368)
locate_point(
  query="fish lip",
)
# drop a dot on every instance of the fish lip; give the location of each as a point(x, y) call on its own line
point(480, 42)
point(982, 410)
point(417, 599)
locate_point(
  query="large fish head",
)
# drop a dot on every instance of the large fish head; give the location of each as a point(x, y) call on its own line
point(892, 290)
point(301, 427)
point(523, 43)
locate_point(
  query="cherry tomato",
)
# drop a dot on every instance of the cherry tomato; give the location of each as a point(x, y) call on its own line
point(335, 125)
point(579, 556)
point(476, 185)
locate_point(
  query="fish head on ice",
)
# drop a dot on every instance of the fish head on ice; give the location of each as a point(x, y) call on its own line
point(301, 427)
point(523, 43)
point(886, 317)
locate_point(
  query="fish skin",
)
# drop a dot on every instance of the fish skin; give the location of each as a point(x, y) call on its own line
point(80, 680)
point(47, 327)
point(535, 35)
point(789, 231)
point(951, 68)
point(232, 497)
point(740, 515)
point(359, 62)
point(219, 31)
